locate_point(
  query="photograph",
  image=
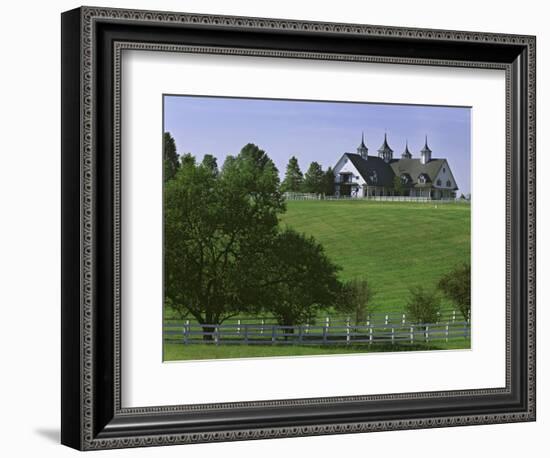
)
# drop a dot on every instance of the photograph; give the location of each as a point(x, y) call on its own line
point(309, 227)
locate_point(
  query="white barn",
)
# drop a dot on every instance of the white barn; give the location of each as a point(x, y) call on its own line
point(361, 175)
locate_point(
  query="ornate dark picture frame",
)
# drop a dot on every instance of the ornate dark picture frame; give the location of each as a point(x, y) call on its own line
point(92, 42)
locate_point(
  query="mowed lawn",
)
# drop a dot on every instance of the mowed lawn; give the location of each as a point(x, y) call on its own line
point(395, 245)
point(179, 352)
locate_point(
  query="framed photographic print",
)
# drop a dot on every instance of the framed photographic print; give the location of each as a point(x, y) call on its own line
point(279, 228)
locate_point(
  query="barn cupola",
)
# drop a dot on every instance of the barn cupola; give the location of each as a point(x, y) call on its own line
point(425, 153)
point(406, 154)
point(362, 149)
point(385, 152)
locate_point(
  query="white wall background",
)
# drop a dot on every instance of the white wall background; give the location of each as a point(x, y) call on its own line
point(30, 229)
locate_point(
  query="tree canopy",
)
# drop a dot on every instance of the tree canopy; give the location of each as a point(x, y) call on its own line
point(301, 279)
point(423, 306)
point(355, 299)
point(456, 287)
point(328, 182)
point(211, 163)
point(216, 229)
point(170, 156)
point(293, 176)
point(314, 179)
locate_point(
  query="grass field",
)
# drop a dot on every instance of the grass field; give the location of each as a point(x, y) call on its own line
point(177, 352)
point(395, 245)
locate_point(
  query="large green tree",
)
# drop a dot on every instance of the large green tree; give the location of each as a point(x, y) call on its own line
point(293, 177)
point(301, 279)
point(217, 230)
point(455, 285)
point(170, 156)
point(314, 179)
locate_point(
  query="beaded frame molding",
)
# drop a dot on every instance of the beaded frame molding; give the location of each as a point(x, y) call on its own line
point(92, 42)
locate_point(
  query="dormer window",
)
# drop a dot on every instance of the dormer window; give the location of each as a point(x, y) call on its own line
point(404, 179)
point(422, 179)
point(372, 175)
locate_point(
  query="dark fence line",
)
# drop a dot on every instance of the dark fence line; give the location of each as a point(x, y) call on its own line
point(250, 334)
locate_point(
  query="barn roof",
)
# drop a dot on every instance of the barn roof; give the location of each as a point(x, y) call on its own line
point(414, 168)
point(385, 172)
point(383, 175)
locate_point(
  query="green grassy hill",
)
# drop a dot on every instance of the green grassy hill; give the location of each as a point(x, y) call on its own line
point(395, 245)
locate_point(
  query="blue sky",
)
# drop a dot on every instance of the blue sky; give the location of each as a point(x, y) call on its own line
point(316, 131)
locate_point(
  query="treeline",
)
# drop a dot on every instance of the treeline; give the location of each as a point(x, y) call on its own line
point(314, 181)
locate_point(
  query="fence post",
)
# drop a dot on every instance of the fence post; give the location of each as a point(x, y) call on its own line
point(412, 334)
point(217, 334)
point(403, 320)
point(427, 334)
point(454, 316)
point(370, 335)
point(186, 332)
point(238, 326)
point(325, 329)
point(447, 333)
point(272, 334)
point(246, 334)
point(300, 334)
point(386, 320)
point(392, 335)
point(262, 328)
point(347, 331)
point(307, 328)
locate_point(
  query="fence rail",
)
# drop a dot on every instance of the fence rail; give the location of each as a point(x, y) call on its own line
point(395, 317)
point(349, 334)
point(420, 199)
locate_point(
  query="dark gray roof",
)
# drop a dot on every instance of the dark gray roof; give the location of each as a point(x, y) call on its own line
point(414, 168)
point(383, 173)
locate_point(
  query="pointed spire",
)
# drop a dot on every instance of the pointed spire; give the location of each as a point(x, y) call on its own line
point(385, 152)
point(425, 153)
point(385, 146)
point(426, 148)
point(362, 148)
point(406, 154)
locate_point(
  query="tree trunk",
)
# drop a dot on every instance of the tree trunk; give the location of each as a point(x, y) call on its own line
point(205, 330)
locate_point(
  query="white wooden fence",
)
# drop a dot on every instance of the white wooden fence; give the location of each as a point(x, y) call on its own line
point(325, 334)
point(314, 196)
